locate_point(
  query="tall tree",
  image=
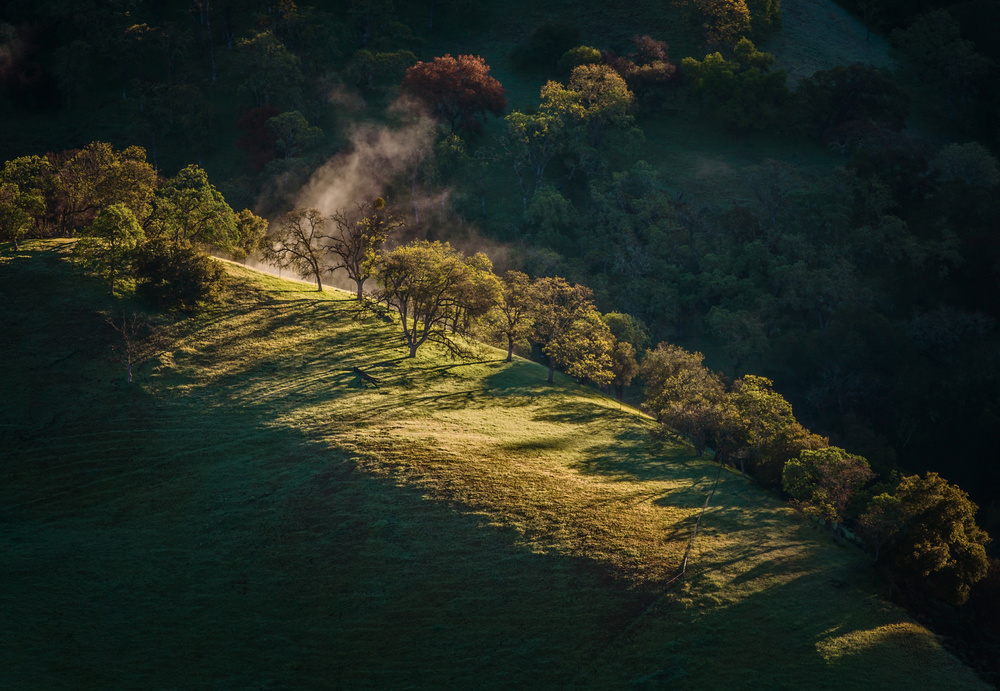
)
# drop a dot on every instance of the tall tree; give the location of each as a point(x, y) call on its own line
point(557, 307)
point(456, 91)
point(297, 241)
point(190, 209)
point(940, 549)
point(359, 238)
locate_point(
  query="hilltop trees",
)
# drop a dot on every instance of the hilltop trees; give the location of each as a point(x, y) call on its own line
point(432, 287)
point(742, 91)
point(296, 242)
point(360, 237)
point(107, 247)
point(456, 90)
point(824, 481)
point(511, 318)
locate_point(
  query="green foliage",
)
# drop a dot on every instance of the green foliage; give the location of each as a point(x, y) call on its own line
point(742, 92)
point(189, 209)
point(268, 71)
point(765, 17)
point(175, 275)
point(824, 481)
point(970, 164)
point(108, 246)
point(586, 349)
point(293, 134)
point(510, 320)
point(939, 549)
point(628, 329)
point(563, 313)
point(723, 22)
point(436, 291)
point(360, 237)
point(581, 55)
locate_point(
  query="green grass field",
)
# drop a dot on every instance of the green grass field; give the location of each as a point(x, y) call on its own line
point(242, 516)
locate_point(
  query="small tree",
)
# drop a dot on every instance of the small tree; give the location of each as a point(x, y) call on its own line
point(297, 242)
point(511, 319)
point(176, 275)
point(824, 481)
point(456, 90)
point(359, 238)
point(624, 367)
point(109, 244)
point(136, 341)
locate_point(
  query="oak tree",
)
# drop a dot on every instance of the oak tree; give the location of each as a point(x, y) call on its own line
point(297, 241)
point(359, 237)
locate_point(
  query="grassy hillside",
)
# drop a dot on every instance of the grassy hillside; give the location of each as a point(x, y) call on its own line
point(243, 517)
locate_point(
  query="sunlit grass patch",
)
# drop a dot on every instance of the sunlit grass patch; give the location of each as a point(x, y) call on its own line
point(246, 515)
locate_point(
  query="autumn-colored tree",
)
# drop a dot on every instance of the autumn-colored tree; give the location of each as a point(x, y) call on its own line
point(456, 90)
point(359, 238)
point(646, 68)
point(109, 244)
point(824, 481)
point(297, 242)
point(258, 142)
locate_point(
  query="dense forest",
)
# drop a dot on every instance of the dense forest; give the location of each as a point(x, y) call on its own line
point(835, 234)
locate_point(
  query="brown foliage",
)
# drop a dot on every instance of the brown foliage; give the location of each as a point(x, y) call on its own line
point(456, 90)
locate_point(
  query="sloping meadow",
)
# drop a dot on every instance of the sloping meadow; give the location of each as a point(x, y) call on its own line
point(247, 514)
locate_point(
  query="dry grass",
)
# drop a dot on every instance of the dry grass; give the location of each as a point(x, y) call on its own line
point(245, 517)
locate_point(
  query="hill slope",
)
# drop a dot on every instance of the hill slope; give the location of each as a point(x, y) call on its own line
point(243, 516)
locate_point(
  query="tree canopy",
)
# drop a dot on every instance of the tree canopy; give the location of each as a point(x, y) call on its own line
point(456, 90)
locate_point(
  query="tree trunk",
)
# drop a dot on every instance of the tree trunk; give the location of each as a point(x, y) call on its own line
point(413, 350)
point(510, 348)
point(360, 282)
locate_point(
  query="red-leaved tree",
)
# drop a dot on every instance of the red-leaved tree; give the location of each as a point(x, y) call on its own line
point(456, 90)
